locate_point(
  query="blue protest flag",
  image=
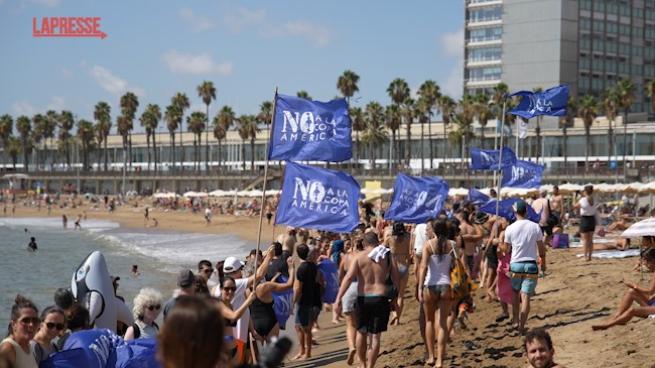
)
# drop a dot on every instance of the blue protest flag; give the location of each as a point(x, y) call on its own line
point(305, 130)
point(416, 199)
point(477, 197)
point(551, 102)
point(490, 159)
point(282, 303)
point(319, 199)
point(506, 210)
point(330, 272)
point(523, 174)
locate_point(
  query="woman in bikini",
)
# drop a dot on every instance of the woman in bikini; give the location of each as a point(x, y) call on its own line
point(399, 243)
point(434, 275)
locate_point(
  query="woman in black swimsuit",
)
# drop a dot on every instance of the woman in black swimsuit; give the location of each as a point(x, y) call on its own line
point(262, 314)
point(224, 306)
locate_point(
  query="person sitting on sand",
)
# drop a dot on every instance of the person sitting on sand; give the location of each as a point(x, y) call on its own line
point(645, 297)
point(539, 349)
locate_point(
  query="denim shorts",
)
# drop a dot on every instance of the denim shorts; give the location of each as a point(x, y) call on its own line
point(526, 285)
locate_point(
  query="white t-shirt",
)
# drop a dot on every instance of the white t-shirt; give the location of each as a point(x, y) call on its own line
point(586, 209)
point(523, 236)
point(420, 236)
point(241, 330)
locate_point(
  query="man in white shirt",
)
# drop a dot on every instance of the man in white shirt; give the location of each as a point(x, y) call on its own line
point(524, 238)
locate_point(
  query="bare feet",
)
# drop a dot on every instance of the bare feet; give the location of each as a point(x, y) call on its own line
point(299, 356)
point(351, 356)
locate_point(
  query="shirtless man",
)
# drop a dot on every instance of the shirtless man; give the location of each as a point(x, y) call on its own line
point(373, 307)
point(399, 243)
point(288, 240)
point(557, 203)
point(541, 205)
point(539, 350)
point(472, 238)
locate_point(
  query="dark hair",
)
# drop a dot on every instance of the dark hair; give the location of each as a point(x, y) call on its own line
point(228, 278)
point(303, 251)
point(555, 188)
point(440, 228)
point(398, 229)
point(192, 335)
point(50, 310)
point(204, 263)
point(589, 191)
point(20, 302)
point(453, 228)
point(78, 318)
point(649, 255)
point(371, 238)
point(492, 193)
point(465, 216)
point(221, 274)
point(64, 298)
point(538, 334)
point(277, 249)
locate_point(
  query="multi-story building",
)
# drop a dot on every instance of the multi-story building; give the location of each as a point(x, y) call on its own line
point(586, 44)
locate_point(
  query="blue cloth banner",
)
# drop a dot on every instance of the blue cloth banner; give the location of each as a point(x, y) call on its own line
point(416, 199)
point(477, 197)
point(305, 130)
point(282, 303)
point(482, 159)
point(319, 199)
point(551, 102)
point(330, 273)
point(523, 174)
point(505, 209)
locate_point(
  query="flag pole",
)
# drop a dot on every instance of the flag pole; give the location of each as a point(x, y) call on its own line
point(500, 156)
point(261, 210)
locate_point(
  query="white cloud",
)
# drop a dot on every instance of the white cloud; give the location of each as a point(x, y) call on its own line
point(195, 64)
point(48, 3)
point(197, 22)
point(454, 83)
point(317, 34)
point(57, 103)
point(23, 108)
point(244, 17)
point(453, 43)
point(112, 83)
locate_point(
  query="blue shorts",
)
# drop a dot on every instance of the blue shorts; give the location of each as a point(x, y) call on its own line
point(524, 276)
point(306, 315)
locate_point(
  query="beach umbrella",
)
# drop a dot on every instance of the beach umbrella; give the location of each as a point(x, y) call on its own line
point(634, 187)
point(649, 187)
point(454, 192)
point(272, 192)
point(642, 228)
point(570, 188)
point(217, 193)
point(16, 176)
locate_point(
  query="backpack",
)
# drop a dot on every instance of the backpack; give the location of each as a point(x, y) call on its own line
point(137, 329)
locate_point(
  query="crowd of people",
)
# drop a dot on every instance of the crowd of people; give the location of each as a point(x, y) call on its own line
point(220, 314)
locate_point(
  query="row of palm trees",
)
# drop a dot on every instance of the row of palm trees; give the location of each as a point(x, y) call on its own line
point(371, 123)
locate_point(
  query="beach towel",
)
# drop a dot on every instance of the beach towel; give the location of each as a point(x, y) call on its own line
point(613, 254)
point(378, 253)
point(282, 303)
point(331, 277)
point(504, 283)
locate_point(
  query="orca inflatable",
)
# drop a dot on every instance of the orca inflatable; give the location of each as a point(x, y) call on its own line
point(91, 286)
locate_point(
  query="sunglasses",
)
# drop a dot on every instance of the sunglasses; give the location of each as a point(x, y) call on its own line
point(59, 326)
point(207, 270)
point(154, 307)
point(230, 288)
point(30, 320)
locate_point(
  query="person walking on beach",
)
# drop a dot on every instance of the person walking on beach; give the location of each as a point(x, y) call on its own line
point(524, 238)
point(589, 219)
point(542, 206)
point(399, 243)
point(32, 247)
point(146, 216)
point(539, 350)
point(208, 216)
point(371, 268)
point(307, 298)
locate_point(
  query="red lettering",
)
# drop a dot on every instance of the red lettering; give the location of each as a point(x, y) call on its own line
point(96, 25)
point(45, 27)
point(64, 26)
point(54, 24)
point(88, 29)
point(35, 31)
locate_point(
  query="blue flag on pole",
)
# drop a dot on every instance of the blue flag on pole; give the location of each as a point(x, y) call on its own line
point(282, 303)
point(549, 102)
point(330, 272)
point(477, 197)
point(489, 159)
point(506, 210)
point(319, 199)
point(305, 130)
point(523, 174)
point(416, 199)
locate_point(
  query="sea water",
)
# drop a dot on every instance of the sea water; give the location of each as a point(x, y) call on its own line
point(160, 255)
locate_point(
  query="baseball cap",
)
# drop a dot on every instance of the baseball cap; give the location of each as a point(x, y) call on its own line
point(520, 206)
point(232, 264)
point(185, 278)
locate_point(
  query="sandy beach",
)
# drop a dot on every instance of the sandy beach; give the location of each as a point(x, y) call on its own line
point(573, 296)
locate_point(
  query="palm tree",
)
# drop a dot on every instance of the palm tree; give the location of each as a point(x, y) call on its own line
point(587, 111)
point(6, 128)
point(224, 120)
point(399, 92)
point(150, 121)
point(358, 125)
point(484, 113)
point(303, 94)
point(393, 120)
point(374, 134)
point(248, 129)
point(13, 148)
point(567, 122)
point(122, 127)
point(23, 126)
point(463, 132)
point(650, 92)
point(447, 106)
point(429, 90)
point(625, 91)
point(347, 84)
point(102, 115)
point(207, 92)
point(85, 135)
point(38, 123)
point(196, 124)
point(173, 118)
point(66, 122)
point(423, 107)
point(265, 115)
point(51, 119)
point(610, 106)
point(129, 103)
point(181, 102)
point(408, 111)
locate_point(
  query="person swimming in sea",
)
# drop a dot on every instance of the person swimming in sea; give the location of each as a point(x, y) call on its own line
point(32, 247)
point(77, 222)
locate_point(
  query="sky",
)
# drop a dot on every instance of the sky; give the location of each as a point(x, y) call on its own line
point(246, 48)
